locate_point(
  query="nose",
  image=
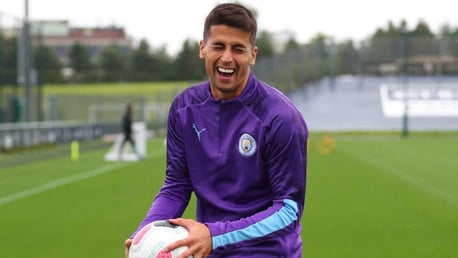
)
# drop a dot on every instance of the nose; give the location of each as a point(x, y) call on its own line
point(227, 56)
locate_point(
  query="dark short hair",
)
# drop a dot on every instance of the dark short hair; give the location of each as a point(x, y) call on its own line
point(232, 15)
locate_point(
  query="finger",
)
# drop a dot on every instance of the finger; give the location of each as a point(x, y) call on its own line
point(186, 223)
point(177, 221)
point(127, 243)
point(176, 244)
point(190, 252)
point(187, 254)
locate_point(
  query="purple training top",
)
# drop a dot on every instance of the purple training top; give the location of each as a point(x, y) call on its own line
point(246, 161)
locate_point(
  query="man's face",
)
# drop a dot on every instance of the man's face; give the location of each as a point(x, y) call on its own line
point(228, 55)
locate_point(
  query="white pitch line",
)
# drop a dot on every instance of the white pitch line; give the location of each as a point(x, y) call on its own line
point(67, 180)
point(59, 182)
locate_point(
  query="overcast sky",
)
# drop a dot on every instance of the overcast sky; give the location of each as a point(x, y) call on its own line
point(170, 22)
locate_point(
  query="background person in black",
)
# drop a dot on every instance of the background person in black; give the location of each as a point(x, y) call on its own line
point(127, 130)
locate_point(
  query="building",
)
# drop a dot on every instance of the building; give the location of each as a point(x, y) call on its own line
point(60, 37)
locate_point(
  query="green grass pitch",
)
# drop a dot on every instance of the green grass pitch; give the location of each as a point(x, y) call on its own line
point(372, 197)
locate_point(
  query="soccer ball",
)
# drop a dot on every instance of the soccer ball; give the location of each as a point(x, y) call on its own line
point(150, 240)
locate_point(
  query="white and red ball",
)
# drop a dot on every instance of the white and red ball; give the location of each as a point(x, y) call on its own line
point(150, 240)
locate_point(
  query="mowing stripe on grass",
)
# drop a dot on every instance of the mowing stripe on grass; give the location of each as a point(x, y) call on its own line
point(59, 182)
point(67, 180)
point(421, 183)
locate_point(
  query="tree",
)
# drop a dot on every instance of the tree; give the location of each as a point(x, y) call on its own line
point(348, 59)
point(422, 30)
point(391, 30)
point(424, 43)
point(163, 64)
point(8, 63)
point(188, 65)
point(112, 62)
point(142, 63)
point(265, 45)
point(149, 64)
point(47, 64)
point(319, 43)
point(454, 32)
point(292, 44)
point(79, 61)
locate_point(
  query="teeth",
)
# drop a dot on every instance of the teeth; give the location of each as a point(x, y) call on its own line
point(223, 70)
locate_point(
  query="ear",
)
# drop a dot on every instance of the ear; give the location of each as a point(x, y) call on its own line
point(254, 52)
point(202, 50)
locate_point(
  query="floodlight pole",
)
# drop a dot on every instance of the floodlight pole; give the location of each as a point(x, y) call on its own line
point(1, 58)
point(332, 63)
point(27, 62)
point(405, 118)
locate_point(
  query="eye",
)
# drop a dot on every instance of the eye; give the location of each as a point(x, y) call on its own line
point(218, 47)
point(239, 50)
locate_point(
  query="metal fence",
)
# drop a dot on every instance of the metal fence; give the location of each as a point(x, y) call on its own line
point(107, 110)
point(382, 56)
point(292, 69)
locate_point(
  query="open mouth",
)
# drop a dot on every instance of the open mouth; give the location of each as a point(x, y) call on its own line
point(225, 72)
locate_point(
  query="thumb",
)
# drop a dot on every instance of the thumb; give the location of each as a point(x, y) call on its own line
point(128, 242)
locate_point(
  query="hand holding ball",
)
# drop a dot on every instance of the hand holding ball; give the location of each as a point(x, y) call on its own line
point(151, 240)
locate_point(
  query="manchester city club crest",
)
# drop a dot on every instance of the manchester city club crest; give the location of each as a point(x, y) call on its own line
point(247, 145)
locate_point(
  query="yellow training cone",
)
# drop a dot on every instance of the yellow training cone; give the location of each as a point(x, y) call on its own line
point(75, 152)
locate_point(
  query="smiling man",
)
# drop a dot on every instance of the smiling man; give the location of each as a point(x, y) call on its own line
point(240, 146)
point(228, 52)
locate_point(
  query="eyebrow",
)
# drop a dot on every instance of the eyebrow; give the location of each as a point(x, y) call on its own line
point(236, 45)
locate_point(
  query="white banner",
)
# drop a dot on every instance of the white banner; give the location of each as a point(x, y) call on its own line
point(419, 100)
